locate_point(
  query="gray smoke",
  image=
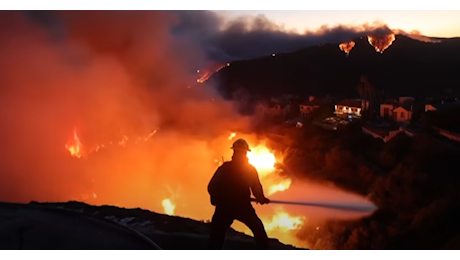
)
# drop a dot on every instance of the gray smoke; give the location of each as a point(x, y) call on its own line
point(248, 37)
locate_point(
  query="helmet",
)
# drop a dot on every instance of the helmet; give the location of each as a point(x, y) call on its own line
point(241, 145)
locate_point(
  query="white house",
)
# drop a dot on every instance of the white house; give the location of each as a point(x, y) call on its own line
point(351, 108)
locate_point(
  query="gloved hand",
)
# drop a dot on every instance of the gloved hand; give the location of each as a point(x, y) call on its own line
point(264, 201)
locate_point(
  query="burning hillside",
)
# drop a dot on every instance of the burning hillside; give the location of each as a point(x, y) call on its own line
point(207, 73)
point(392, 72)
point(102, 114)
point(381, 42)
point(173, 203)
point(347, 46)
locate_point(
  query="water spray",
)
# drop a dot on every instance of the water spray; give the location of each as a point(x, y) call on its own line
point(346, 207)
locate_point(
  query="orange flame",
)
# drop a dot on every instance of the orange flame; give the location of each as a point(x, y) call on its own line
point(261, 157)
point(205, 76)
point(284, 222)
point(168, 207)
point(347, 46)
point(75, 147)
point(232, 135)
point(381, 43)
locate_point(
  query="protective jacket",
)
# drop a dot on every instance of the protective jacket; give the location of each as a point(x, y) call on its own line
point(233, 182)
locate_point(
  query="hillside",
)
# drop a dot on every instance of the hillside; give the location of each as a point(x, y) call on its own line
point(169, 232)
point(407, 67)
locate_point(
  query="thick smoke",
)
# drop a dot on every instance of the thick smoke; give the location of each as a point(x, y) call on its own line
point(249, 37)
point(103, 74)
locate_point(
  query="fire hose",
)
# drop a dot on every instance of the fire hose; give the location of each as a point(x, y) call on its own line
point(346, 207)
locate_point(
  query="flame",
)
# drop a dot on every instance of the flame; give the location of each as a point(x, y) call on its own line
point(168, 207)
point(284, 222)
point(347, 46)
point(75, 147)
point(261, 158)
point(281, 225)
point(206, 75)
point(282, 186)
point(232, 135)
point(381, 43)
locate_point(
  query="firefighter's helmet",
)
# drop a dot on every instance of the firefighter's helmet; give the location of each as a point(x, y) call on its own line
point(241, 145)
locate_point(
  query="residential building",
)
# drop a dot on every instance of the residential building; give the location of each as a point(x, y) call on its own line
point(351, 108)
point(400, 110)
point(309, 106)
point(273, 109)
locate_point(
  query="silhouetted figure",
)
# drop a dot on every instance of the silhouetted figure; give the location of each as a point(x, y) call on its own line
point(230, 189)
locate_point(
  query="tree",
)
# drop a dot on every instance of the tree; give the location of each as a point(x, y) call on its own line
point(367, 92)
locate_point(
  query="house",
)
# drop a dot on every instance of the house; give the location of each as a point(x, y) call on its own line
point(400, 110)
point(313, 103)
point(351, 108)
point(273, 109)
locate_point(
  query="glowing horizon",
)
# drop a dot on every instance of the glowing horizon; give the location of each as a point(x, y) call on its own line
point(428, 23)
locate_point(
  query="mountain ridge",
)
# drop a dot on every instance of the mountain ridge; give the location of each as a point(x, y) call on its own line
point(406, 67)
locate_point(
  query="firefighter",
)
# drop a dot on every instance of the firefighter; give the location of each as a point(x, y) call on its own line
point(230, 190)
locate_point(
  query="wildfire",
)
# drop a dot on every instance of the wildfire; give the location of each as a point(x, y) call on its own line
point(347, 46)
point(232, 135)
point(284, 222)
point(381, 43)
point(282, 186)
point(168, 207)
point(75, 146)
point(205, 76)
point(261, 158)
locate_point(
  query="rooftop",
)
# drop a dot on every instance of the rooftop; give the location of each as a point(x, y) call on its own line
point(351, 102)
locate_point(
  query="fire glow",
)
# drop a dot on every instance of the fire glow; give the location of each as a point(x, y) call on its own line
point(260, 157)
point(381, 42)
point(207, 74)
point(347, 46)
point(168, 207)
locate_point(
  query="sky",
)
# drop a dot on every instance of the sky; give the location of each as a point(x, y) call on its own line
point(429, 23)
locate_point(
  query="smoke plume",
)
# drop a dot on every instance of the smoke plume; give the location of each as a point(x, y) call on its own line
point(103, 75)
point(249, 37)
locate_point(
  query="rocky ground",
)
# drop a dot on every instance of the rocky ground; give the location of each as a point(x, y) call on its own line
point(67, 226)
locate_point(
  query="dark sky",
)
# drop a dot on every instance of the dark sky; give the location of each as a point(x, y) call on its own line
point(241, 38)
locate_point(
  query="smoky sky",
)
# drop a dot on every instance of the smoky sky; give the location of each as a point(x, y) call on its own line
point(249, 37)
point(246, 37)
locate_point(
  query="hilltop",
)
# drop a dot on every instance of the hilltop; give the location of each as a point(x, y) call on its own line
point(169, 232)
point(407, 67)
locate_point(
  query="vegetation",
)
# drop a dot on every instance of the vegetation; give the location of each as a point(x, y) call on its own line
point(414, 182)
